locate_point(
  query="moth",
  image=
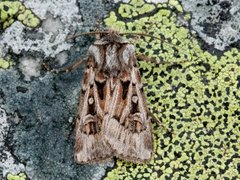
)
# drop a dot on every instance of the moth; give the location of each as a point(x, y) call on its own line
point(113, 119)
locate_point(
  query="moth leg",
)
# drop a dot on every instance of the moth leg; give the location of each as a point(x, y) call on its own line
point(157, 120)
point(155, 61)
point(69, 68)
point(146, 58)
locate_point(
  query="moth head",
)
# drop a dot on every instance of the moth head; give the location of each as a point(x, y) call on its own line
point(111, 38)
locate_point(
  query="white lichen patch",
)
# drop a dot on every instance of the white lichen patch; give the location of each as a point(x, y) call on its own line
point(99, 174)
point(125, 1)
point(30, 67)
point(149, 1)
point(62, 58)
point(52, 25)
point(58, 20)
point(7, 162)
point(3, 125)
point(157, 1)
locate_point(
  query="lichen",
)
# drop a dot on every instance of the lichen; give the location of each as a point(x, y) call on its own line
point(4, 64)
point(11, 10)
point(20, 176)
point(195, 94)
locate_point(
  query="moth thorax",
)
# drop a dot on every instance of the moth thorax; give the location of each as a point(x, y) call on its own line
point(112, 64)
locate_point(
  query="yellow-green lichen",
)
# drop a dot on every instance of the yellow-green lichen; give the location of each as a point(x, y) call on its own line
point(198, 98)
point(11, 10)
point(4, 64)
point(129, 10)
point(20, 176)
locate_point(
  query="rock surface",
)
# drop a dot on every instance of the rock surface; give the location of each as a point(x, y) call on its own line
point(195, 94)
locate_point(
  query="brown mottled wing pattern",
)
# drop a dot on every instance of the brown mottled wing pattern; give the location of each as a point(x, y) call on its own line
point(90, 146)
point(127, 126)
point(113, 118)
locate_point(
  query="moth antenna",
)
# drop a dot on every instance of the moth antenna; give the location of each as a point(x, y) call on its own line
point(86, 33)
point(107, 32)
point(110, 31)
point(147, 35)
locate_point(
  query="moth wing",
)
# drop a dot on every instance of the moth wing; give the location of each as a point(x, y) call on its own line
point(127, 127)
point(90, 146)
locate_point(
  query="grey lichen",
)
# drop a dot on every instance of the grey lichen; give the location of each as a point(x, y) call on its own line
point(213, 18)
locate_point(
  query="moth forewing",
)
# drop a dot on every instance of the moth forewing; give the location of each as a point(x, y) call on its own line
point(113, 118)
point(90, 146)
